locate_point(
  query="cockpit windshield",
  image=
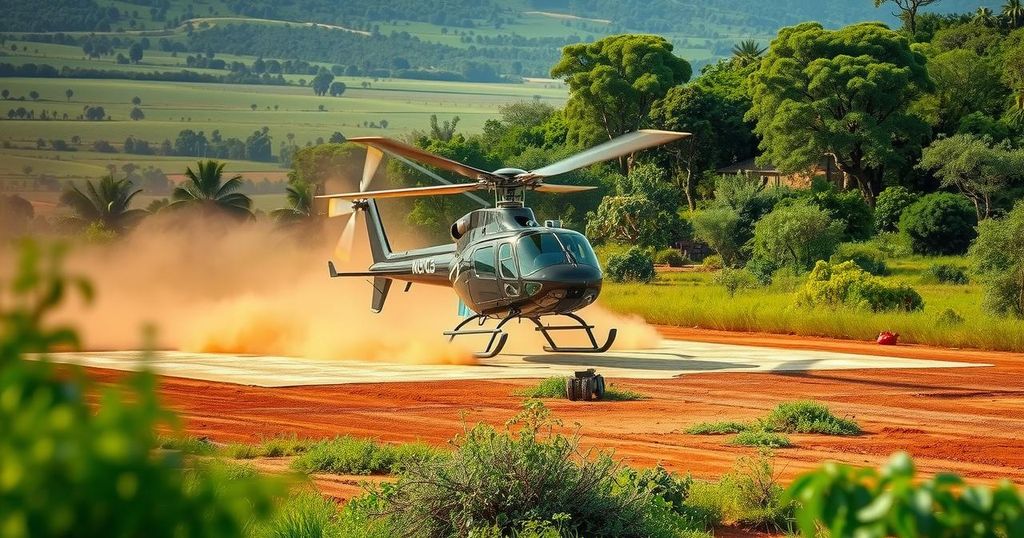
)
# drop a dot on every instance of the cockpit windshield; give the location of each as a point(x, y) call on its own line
point(540, 250)
point(578, 248)
point(537, 251)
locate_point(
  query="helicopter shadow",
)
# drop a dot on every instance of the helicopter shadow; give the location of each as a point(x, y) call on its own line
point(678, 363)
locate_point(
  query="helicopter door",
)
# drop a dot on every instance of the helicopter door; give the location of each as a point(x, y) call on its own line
point(508, 273)
point(483, 287)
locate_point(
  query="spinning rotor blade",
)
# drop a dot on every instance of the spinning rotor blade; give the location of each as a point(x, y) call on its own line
point(373, 156)
point(426, 171)
point(562, 189)
point(343, 250)
point(432, 190)
point(412, 152)
point(612, 149)
point(338, 206)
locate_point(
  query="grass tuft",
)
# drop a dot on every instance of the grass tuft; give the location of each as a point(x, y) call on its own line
point(761, 438)
point(350, 455)
point(187, 444)
point(554, 387)
point(717, 428)
point(808, 417)
point(274, 447)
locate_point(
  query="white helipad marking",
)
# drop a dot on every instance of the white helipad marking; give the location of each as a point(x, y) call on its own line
point(671, 359)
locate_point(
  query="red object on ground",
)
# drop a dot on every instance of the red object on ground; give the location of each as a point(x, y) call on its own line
point(886, 338)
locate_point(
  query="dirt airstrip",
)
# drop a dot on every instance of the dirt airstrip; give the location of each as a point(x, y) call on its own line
point(965, 420)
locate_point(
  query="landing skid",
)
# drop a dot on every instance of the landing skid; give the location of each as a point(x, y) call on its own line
point(498, 337)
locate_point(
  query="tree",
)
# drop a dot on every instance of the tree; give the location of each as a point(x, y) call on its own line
point(614, 82)
point(984, 16)
point(1013, 10)
point(205, 188)
point(95, 113)
point(300, 203)
point(337, 89)
point(336, 138)
point(747, 52)
point(718, 227)
point(135, 53)
point(322, 82)
point(136, 100)
point(643, 212)
point(796, 235)
point(5, 93)
point(843, 93)
point(33, 95)
point(890, 205)
point(998, 255)
point(974, 167)
point(940, 223)
point(136, 114)
point(16, 214)
point(908, 11)
point(106, 202)
point(442, 131)
point(965, 83)
point(69, 93)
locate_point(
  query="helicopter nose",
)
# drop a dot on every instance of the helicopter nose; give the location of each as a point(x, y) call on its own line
point(571, 275)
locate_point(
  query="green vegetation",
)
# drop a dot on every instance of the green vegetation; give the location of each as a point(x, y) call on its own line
point(749, 495)
point(998, 255)
point(554, 387)
point(274, 447)
point(186, 444)
point(351, 455)
point(808, 417)
point(848, 501)
point(761, 438)
point(846, 284)
point(636, 265)
point(716, 428)
point(939, 223)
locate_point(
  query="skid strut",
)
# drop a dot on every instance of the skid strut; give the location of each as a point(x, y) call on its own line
point(494, 344)
point(583, 326)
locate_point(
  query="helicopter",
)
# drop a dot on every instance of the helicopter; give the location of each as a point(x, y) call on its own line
point(503, 264)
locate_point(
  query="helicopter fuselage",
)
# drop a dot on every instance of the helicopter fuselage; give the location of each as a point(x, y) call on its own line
point(504, 262)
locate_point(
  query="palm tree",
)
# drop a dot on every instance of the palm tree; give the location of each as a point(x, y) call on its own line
point(984, 16)
point(1014, 11)
point(105, 202)
point(747, 52)
point(205, 188)
point(300, 200)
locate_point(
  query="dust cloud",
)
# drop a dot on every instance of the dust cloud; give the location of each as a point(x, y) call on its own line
point(207, 285)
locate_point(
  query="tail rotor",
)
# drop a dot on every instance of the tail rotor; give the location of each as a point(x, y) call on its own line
point(338, 207)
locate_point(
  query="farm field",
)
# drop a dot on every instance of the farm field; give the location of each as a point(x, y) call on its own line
point(692, 299)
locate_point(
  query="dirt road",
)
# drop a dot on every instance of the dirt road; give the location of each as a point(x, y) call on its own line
point(966, 420)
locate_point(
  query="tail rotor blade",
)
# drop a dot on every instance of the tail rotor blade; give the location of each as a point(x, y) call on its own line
point(343, 251)
point(339, 206)
point(373, 156)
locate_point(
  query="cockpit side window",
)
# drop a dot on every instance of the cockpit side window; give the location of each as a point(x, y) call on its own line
point(540, 250)
point(483, 262)
point(506, 262)
point(578, 248)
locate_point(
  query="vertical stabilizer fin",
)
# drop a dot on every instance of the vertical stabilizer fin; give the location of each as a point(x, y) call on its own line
point(380, 248)
point(381, 286)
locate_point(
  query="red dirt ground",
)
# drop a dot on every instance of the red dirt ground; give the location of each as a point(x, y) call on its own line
point(966, 420)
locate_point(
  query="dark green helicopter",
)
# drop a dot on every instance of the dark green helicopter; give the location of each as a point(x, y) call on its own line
point(503, 264)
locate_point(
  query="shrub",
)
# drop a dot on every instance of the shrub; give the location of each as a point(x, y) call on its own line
point(748, 495)
point(762, 269)
point(845, 501)
point(845, 284)
point(554, 387)
point(636, 265)
point(998, 256)
point(670, 257)
point(939, 223)
point(762, 438)
point(734, 280)
point(273, 447)
point(716, 428)
point(719, 228)
point(712, 263)
point(946, 273)
point(850, 209)
point(79, 459)
point(351, 455)
point(808, 417)
point(502, 481)
point(797, 235)
point(186, 444)
point(866, 257)
point(892, 245)
point(949, 318)
point(889, 206)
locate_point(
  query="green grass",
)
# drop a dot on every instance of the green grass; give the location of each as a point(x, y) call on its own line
point(273, 447)
point(350, 455)
point(691, 299)
point(717, 428)
point(554, 387)
point(808, 417)
point(761, 438)
point(749, 495)
point(187, 444)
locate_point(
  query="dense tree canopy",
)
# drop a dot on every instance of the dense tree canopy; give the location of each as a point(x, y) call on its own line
point(843, 93)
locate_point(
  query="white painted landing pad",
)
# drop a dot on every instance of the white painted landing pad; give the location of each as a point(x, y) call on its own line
point(671, 359)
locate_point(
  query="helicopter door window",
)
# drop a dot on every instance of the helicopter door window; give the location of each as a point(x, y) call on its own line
point(483, 262)
point(507, 262)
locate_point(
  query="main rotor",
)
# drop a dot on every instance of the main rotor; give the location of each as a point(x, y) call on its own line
point(509, 184)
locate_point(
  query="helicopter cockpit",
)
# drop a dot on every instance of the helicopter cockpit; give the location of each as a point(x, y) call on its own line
point(543, 249)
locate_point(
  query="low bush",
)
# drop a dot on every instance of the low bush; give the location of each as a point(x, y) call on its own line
point(946, 273)
point(939, 223)
point(748, 495)
point(761, 438)
point(892, 245)
point(500, 483)
point(636, 265)
point(716, 428)
point(808, 417)
point(890, 205)
point(734, 280)
point(846, 284)
point(306, 514)
point(351, 455)
point(762, 269)
point(712, 263)
point(866, 256)
point(949, 318)
point(670, 257)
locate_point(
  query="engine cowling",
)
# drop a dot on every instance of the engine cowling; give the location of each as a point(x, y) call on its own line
point(460, 227)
